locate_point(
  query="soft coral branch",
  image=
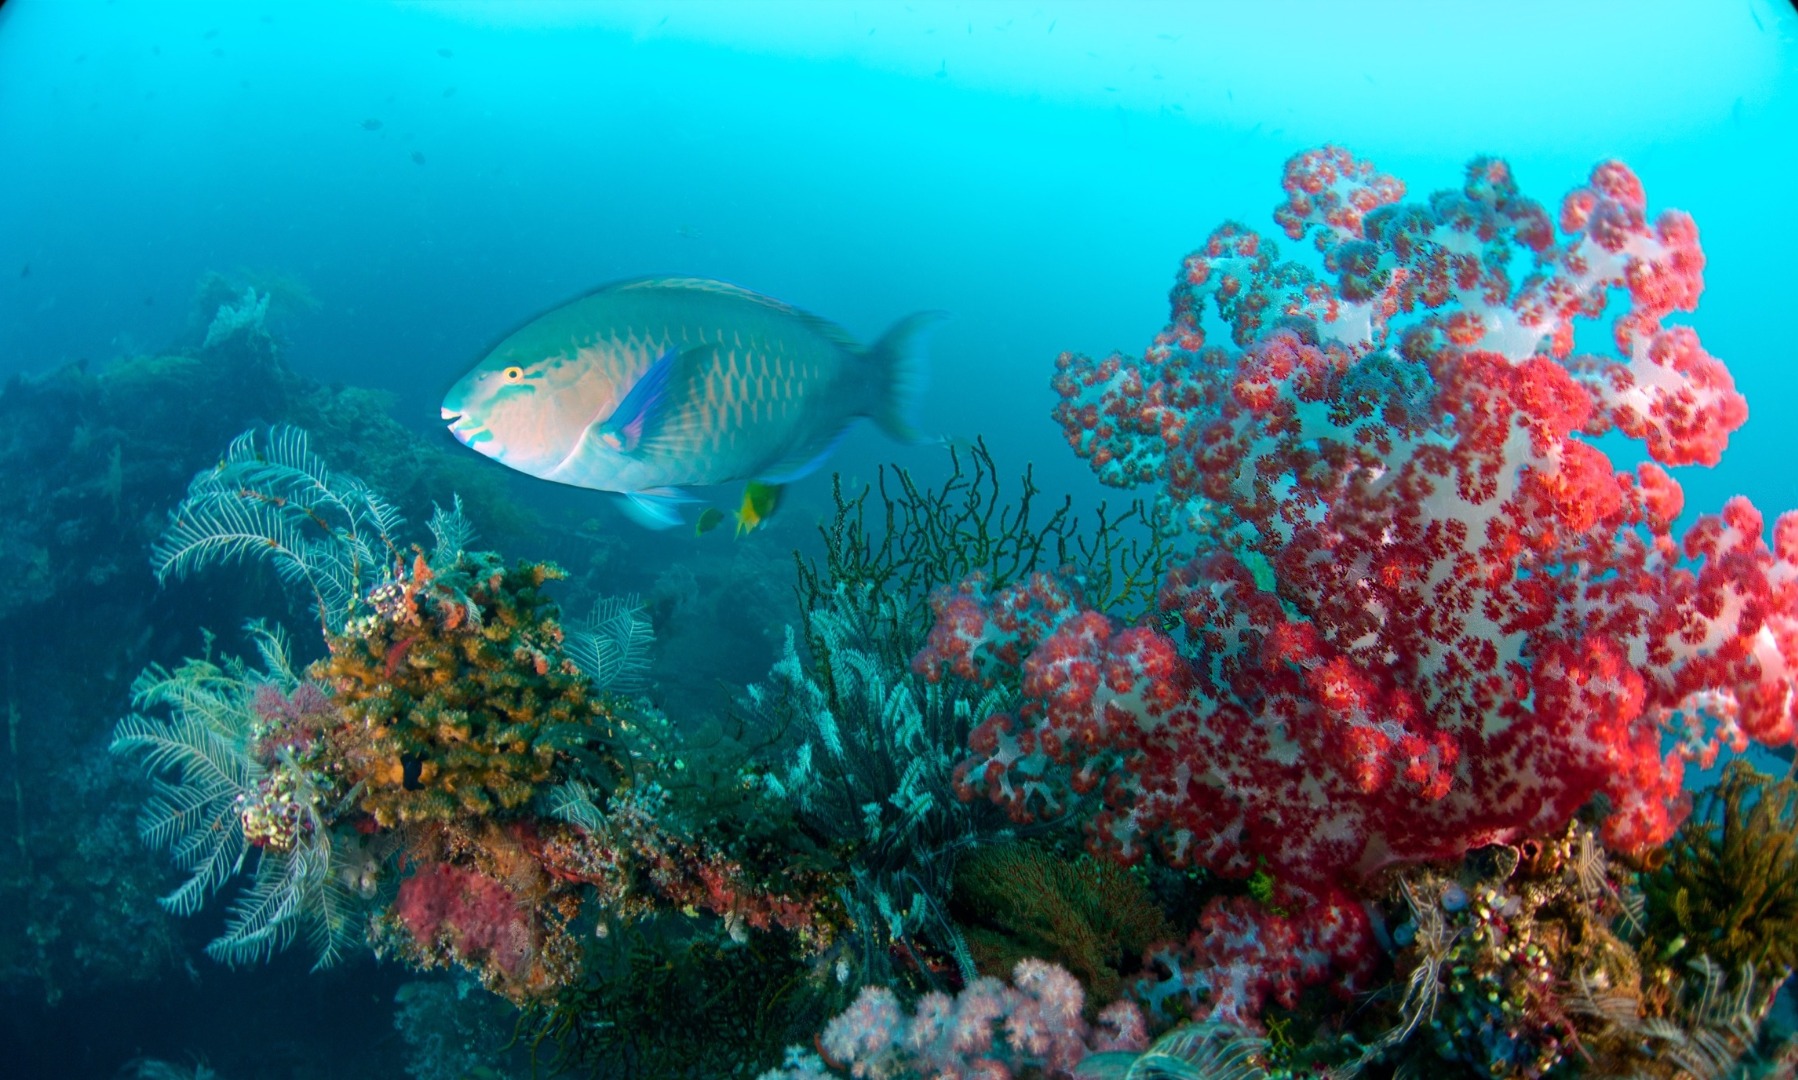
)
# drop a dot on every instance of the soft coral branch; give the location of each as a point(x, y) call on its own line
point(1476, 623)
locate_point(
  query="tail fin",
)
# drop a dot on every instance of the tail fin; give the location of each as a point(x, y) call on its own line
point(899, 374)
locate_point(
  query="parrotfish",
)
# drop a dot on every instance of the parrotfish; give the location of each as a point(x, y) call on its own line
point(647, 387)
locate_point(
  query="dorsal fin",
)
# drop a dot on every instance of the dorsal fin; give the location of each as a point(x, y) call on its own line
point(706, 285)
point(822, 327)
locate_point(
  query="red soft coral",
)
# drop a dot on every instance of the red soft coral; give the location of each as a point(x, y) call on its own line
point(1451, 620)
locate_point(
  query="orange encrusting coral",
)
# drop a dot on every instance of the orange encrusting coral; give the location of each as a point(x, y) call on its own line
point(455, 696)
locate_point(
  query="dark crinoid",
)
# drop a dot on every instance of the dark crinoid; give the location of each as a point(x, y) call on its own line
point(1092, 916)
point(1728, 889)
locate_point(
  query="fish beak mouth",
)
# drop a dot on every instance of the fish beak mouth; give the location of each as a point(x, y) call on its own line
point(467, 432)
point(454, 419)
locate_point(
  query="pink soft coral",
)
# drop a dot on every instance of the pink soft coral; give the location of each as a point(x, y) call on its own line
point(986, 1032)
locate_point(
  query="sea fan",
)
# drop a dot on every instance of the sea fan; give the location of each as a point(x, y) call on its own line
point(331, 535)
point(611, 646)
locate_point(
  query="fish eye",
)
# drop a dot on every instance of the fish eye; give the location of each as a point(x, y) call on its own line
point(513, 374)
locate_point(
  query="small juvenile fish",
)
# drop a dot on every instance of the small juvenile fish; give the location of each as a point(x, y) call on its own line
point(645, 387)
point(759, 503)
point(709, 519)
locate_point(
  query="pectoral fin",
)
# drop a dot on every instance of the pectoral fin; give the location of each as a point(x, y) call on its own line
point(655, 508)
point(644, 409)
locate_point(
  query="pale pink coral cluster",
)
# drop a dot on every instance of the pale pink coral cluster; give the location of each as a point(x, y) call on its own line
point(989, 1031)
point(1444, 617)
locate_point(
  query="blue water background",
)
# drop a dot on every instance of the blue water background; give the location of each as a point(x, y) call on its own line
point(1036, 169)
point(436, 173)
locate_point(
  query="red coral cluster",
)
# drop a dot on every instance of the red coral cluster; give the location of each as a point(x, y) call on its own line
point(1241, 954)
point(642, 860)
point(289, 720)
point(1476, 622)
point(474, 919)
